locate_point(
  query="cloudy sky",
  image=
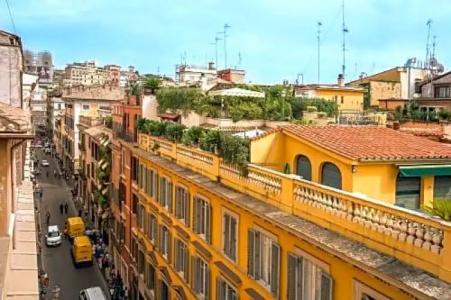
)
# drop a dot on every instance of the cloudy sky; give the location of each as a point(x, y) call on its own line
point(276, 39)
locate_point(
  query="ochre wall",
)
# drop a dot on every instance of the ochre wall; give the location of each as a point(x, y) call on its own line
point(352, 100)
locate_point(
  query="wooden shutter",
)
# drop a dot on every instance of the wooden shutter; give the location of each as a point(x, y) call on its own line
point(226, 234)
point(326, 286)
point(220, 290)
point(197, 215)
point(251, 253)
point(170, 196)
point(208, 223)
point(157, 187)
point(233, 240)
point(275, 260)
point(187, 209)
point(169, 247)
point(207, 283)
point(186, 266)
point(257, 254)
point(292, 278)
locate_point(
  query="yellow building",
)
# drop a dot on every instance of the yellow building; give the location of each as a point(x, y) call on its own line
point(348, 99)
point(201, 229)
point(380, 163)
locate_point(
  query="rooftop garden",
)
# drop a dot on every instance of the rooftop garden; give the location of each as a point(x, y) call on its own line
point(279, 104)
point(412, 111)
point(234, 150)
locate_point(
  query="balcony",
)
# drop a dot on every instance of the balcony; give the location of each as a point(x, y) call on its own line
point(413, 237)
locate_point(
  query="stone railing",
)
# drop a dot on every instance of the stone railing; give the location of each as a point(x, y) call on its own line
point(410, 236)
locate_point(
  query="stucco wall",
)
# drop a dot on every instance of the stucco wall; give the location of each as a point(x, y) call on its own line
point(384, 90)
point(10, 75)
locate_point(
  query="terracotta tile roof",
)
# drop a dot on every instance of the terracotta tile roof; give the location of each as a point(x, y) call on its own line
point(371, 143)
point(14, 120)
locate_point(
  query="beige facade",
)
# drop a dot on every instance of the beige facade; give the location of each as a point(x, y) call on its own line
point(86, 73)
point(11, 67)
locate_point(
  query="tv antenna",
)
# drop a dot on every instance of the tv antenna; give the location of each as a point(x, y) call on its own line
point(345, 31)
point(215, 43)
point(427, 61)
point(319, 50)
point(239, 60)
point(225, 36)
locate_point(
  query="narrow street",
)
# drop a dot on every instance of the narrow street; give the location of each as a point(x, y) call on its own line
point(57, 261)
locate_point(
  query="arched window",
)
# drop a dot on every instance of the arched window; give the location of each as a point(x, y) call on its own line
point(408, 192)
point(331, 175)
point(304, 167)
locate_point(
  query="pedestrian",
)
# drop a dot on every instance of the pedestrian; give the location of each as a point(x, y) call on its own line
point(79, 212)
point(61, 208)
point(66, 207)
point(48, 218)
point(54, 173)
point(47, 174)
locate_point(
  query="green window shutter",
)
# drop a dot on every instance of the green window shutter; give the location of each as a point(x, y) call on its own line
point(275, 262)
point(251, 253)
point(207, 283)
point(170, 196)
point(208, 223)
point(197, 215)
point(233, 240)
point(292, 278)
point(187, 209)
point(326, 286)
point(225, 234)
point(257, 255)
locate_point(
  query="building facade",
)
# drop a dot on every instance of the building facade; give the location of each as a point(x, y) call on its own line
point(186, 225)
point(11, 68)
point(95, 102)
point(55, 108)
point(87, 73)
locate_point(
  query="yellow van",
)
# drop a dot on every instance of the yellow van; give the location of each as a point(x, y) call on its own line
point(82, 251)
point(75, 227)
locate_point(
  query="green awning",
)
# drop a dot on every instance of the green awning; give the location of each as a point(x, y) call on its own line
point(425, 170)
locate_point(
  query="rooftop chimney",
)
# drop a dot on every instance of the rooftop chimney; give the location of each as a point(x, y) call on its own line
point(211, 65)
point(341, 80)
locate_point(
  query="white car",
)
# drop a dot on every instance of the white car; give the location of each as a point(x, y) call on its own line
point(93, 293)
point(45, 163)
point(53, 237)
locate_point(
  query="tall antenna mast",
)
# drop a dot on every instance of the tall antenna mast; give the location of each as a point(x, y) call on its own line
point(215, 43)
point(345, 30)
point(433, 46)
point(226, 26)
point(428, 24)
point(319, 50)
point(239, 60)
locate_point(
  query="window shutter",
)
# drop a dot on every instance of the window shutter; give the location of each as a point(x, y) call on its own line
point(186, 267)
point(225, 234)
point(208, 223)
point(275, 259)
point(326, 286)
point(257, 255)
point(220, 290)
point(233, 241)
point(169, 247)
point(170, 195)
point(194, 274)
point(157, 187)
point(292, 278)
point(207, 283)
point(250, 253)
point(197, 215)
point(187, 209)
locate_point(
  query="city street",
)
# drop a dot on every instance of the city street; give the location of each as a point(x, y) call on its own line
point(57, 261)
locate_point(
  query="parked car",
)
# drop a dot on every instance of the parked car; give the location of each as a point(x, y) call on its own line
point(93, 293)
point(53, 237)
point(45, 163)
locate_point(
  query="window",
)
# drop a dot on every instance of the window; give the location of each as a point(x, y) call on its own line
point(200, 278)
point(225, 291)
point(442, 187)
point(202, 218)
point(182, 199)
point(85, 106)
point(364, 292)
point(165, 242)
point(134, 249)
point(152, 228)
point(331, 175)
point(229, 223)
point(304, 167)
point(150, 277)
point(141, 262)
point(149, 190)
point(263, 260)
point(181, 258)
point(141, 214)
point(442, 92)
point(307, 280)
point(134, 166)
point(408, 192)
point(134, 204)
point(165, 193)
point(342, 99)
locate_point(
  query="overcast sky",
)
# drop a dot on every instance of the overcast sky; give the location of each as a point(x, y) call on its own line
point(276, 38)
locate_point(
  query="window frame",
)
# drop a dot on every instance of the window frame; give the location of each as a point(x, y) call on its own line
point(182, 206)
point(202, 227)
point(359, 288)
point(231, 256)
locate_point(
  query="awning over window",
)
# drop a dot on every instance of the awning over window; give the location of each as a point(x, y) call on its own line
point(425, 170)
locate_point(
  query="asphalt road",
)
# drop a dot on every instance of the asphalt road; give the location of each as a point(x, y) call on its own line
point(57, 261)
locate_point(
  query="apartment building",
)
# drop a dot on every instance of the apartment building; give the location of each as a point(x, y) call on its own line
point(186, 225)
point(86, 73)
point(95, 161)
point(55, 107)
point(348, 99)
point(94, 101)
